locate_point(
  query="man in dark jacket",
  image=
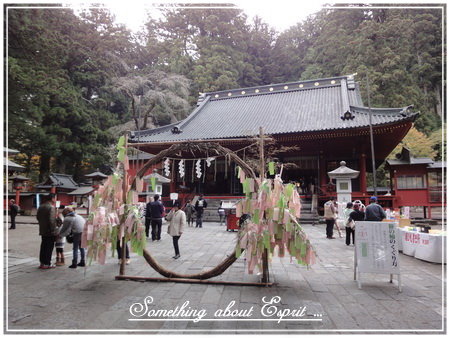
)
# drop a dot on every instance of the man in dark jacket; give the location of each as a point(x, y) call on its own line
point(374, 212)
point(200, 205)
point(46, 216)
point(13, 211)
point(356, 215)
point(154, 213)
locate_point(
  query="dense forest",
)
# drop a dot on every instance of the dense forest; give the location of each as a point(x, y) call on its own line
point(77, 80)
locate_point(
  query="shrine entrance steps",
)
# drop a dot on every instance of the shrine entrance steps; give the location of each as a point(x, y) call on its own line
point(308, 214)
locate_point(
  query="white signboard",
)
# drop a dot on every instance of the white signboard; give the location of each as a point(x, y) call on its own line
point(376, 249)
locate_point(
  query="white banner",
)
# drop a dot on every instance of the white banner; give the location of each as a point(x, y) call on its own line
point(376, 248)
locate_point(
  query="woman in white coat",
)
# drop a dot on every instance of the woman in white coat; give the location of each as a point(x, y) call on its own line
point(177, 222)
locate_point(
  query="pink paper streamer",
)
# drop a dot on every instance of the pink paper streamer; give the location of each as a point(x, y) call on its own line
point(239, 209)
point(139, 184)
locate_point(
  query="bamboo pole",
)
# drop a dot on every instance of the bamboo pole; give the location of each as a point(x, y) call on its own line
point(125, 190)
point(262, 175)
point(190, 281)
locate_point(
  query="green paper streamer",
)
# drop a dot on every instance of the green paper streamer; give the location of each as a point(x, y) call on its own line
point(281, 204)
point(298, 242)
point(288, 226)
point(121, 142)
point(153, 182)
point(247, 181)
point(265, 187)
point(115, 179)
point(279, 231)
point(96, 200)
point(245, 187)
point(288, 190)
point(248, 206)
point(303, 249)
point(256, 216)
point(272, 168)
point(291, 248)
point(121, 155)
point(266, 240)
point(114, 234)
point(269, 213)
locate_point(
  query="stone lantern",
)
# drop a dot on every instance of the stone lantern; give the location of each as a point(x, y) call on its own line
point(97, 178)
point(159, 180)
point(343, 176)
point(18, 184)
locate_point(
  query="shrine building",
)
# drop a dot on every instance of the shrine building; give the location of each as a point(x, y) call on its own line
point(325, 120)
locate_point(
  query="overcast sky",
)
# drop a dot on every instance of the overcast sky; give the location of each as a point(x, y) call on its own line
point(279, 14)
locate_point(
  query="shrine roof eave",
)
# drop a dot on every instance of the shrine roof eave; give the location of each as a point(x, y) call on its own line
point(155, 147)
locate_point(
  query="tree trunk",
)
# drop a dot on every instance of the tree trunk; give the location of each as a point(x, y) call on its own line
point(44, 167)
point(438, 106)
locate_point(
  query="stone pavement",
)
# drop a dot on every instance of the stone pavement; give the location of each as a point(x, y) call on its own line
point(91, 299)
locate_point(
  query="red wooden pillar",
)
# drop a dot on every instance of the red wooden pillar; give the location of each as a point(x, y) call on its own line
point(362, 174)
point(18, 197)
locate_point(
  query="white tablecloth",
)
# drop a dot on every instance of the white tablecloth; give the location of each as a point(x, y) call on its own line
point(427, 247)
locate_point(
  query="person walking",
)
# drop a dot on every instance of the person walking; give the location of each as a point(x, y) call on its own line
point(46, 216)
point(148, 218)
point(177, 222)
point(221, 212)
point(155, 213)
point(330, 212)
point(200, 206)
point(346, 213)
point(13, 211)
point(374, 211)
point(356, 215)
point(189, 210)
point(74, 223)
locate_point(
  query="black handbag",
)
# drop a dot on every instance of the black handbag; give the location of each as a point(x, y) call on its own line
point(69, 238)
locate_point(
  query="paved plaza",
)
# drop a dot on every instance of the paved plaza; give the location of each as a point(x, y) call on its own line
point(91, 299)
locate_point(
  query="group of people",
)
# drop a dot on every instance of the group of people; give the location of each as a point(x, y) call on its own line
point(354, 211)
point(196, 210)
point(54, 229)
point(305, 186)
point(178, 218)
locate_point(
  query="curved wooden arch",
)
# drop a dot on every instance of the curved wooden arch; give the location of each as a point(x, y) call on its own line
point(212, 149)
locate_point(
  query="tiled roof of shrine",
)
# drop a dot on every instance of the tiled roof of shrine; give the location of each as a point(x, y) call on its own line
point(296, 107)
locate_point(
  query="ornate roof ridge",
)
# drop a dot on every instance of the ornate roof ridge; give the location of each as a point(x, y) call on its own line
point(281, 87)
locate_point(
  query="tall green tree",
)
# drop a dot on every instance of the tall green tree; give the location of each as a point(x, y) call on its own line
point(57, 65)
point(216, 48)
point(155, 98)
point(398, 49)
